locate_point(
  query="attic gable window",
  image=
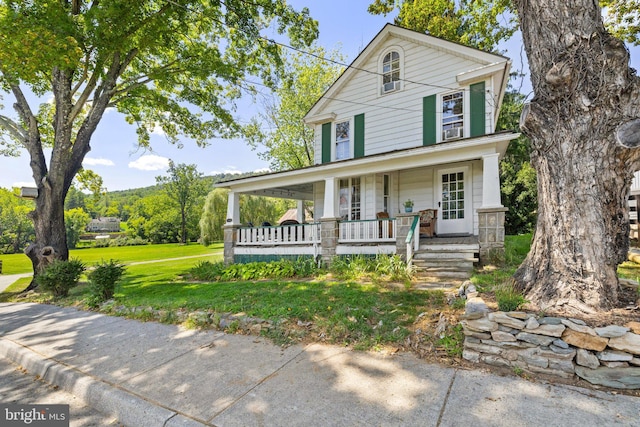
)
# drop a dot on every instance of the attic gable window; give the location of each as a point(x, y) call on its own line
point(391, 72)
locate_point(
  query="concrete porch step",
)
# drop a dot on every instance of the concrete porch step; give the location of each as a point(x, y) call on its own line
point(449, 274)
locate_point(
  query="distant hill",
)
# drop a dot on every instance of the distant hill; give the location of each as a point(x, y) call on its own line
point(124, 196)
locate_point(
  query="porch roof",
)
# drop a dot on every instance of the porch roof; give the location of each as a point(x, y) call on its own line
point(298, 183)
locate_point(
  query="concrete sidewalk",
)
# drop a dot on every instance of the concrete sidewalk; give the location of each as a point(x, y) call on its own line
point(150, 374)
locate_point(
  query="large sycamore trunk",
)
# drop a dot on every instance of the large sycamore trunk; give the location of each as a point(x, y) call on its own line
point(584, 89)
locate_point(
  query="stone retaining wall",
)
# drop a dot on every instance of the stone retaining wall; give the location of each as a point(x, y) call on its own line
point(564, 347)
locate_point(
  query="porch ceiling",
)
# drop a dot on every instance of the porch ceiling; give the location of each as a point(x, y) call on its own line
point(298, 183)
point(302, 191)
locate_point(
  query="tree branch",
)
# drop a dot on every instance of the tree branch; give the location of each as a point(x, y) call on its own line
point(16, 131)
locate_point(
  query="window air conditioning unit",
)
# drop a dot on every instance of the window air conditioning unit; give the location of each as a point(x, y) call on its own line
point(391, 86)
point(452, 133)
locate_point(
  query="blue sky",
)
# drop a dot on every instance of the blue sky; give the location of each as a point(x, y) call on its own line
point(122, 165)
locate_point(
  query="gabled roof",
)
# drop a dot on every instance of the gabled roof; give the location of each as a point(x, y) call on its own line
point(487, 62)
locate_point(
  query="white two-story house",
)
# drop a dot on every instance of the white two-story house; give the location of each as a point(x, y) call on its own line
point(412, 118)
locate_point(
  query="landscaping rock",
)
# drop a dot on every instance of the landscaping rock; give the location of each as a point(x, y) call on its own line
point(586, 341)
point(586, 358)
point(634, 326)
point(483, 348)
point(577, 321)
point(635, 361)
point(478, 335)
point(471, 356)
point(502, 336)
point(629, 342)
point(475, 305)
point(614, 356)
point(550, 321)
point(480, 325)
point(494, 360)
point(531, 323)
point(620, 378)
point(472, 316)
point(611, 331)
point(549, 371)
point(504, 319)
point(534, 338)
point(560, 343)
point(571, 324)
point(548, 330)
point(518, 315)
point(615, 364)
point(562, 365)
point(562, 351)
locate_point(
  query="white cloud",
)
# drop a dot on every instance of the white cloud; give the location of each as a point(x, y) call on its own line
point(150, 162)
point(157, 130)
point(262, 170)
point(91, 161)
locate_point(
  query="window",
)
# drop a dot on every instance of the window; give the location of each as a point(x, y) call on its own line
point(350, 198)
point(385, 193)
point(453, 116)
point(453, 196)
point(390, 67)
point(343, 147)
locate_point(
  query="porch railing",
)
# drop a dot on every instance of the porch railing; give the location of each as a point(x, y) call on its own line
point(370, 230)
point(279, 235)
point(413, 240)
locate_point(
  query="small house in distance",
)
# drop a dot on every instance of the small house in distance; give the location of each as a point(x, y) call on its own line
point(406, 161)
point(104, 224)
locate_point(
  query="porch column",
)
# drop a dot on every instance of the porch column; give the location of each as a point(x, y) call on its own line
point(230, 237)
point(330, 196)
point(233, 208)
point(491, 181)
point(329, 226)
point(300, 216)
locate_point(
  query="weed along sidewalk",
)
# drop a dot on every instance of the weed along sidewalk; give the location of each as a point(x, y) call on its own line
point(174, 376)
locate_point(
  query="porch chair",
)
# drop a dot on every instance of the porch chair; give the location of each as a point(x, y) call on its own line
point(383, 215)
point(428, 218)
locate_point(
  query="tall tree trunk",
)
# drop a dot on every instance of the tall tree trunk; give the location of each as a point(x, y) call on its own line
point(584, 89)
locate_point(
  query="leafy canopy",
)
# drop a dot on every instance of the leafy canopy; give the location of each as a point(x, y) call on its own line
point(165, 55)
point(280, 129)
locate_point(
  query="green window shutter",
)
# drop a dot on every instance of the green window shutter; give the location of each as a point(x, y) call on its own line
point(326, 143)
point(429, 130)
point(358, 136)
point(478, 106)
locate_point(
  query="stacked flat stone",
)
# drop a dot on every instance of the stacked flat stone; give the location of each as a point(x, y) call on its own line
point(563, 347)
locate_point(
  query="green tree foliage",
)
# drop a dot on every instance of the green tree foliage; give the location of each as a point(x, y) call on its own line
point(623, 19)
point(214, 216)
point(253, 210)
point(75, 222)
point(185, 187)
point(16, 230)
point(288, 142)
point(481, 24)
point(175, 65)
point(517, 176)
point(155, 218)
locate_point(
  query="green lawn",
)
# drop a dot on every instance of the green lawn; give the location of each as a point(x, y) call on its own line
point(19, 263)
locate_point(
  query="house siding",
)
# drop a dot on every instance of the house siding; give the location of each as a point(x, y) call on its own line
point(395, 120)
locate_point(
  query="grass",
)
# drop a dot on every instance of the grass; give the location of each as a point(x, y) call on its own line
point(19, 263)
point(363, 315)
point(515, 251)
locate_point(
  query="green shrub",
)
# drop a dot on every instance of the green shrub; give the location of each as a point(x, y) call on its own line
point(103, 280)
point(508, 298)
point(60, 276)
point(283, 269)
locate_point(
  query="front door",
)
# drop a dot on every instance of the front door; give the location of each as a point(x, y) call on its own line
point(453, 194)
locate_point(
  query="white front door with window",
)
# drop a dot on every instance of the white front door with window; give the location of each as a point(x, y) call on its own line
point(453, 198)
